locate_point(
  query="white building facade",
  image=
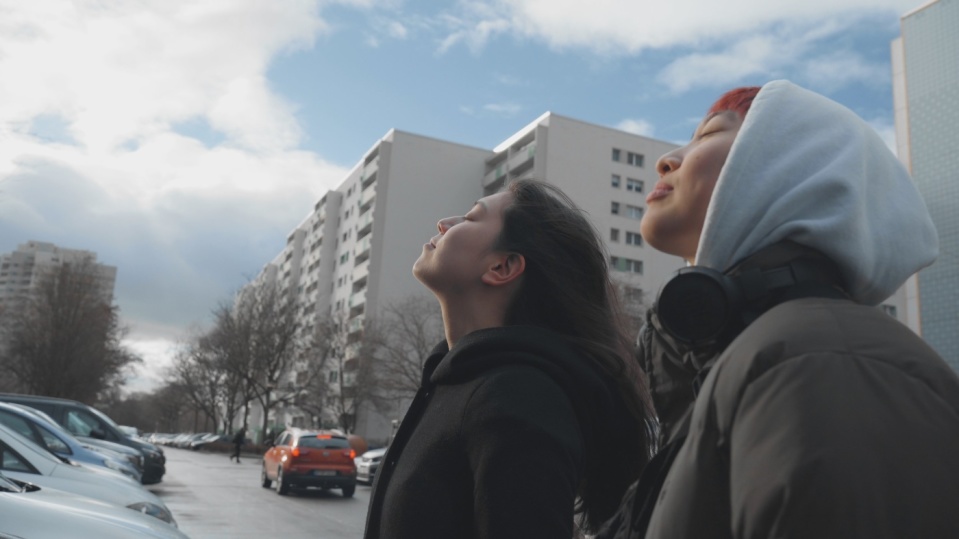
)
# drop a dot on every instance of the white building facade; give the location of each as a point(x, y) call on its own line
point(21, 270)
point(925, 62)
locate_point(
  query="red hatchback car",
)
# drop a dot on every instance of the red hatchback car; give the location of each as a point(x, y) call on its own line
point(304, 458)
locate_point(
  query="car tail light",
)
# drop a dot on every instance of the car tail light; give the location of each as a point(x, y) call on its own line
point(297, 451)
point(351, 453)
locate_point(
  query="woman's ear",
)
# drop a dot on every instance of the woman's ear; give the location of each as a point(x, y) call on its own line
point(504, 269)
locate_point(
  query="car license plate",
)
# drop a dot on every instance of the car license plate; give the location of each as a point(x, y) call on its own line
point(324, 472)
point(364, 468)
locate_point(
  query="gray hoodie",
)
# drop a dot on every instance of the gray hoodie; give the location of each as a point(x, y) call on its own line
point(805, 168)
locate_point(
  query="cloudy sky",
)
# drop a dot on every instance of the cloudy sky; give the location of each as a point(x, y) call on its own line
point(183, 140)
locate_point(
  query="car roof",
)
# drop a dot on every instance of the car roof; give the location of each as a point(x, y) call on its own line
point(36, 398)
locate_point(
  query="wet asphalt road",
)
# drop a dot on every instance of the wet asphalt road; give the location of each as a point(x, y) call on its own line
point(214, 498)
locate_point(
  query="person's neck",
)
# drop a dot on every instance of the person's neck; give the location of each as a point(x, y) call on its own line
point(462, 318)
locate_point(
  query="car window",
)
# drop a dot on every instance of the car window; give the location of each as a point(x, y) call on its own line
point(321, 442)
point(18, 424)
point(13, 462)
point(284, 439)
point(80, 424)
point(53, 442)
point(105, 419)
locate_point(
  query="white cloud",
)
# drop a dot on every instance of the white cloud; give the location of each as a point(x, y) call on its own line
point(504, 109)
point(835, 70)
point(157, 356)
point(749, 56)
point(627, 26)
point(184, 220)
point(636, 127)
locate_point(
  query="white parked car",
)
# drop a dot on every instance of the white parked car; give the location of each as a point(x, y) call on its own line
point(29, 511)
point(23, 460)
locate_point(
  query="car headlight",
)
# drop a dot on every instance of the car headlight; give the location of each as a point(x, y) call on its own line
point(154, 510)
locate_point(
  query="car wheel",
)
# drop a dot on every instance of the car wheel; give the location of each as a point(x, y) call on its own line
point(348, 491)
point(282, 487)
point(265, 479)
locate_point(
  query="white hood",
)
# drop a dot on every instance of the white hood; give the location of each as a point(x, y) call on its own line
point(805, 168)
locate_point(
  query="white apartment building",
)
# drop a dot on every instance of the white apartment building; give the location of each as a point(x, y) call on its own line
point(21, 270)
point(355, 251)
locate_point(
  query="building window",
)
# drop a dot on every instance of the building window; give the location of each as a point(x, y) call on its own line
point(614, 208)
point(634, 212)
point(617, 155)
point(626, 264)
point(334, 375)
point(635, 159)
point(633, 238)
point(615, 180)
point(635, 186)
point(614, 234)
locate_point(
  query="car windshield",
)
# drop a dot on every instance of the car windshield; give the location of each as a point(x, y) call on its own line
point(324, 442)
point(39, 451)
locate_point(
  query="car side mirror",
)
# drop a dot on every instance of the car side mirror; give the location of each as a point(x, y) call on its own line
point(98, 434)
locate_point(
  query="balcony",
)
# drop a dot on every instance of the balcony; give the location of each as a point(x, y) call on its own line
point(496, 175)
point(367, 197)
point(360, 269)
point(361, 253)
point(522, 156)
point(369, 174)
point(365, 226)
point(357, 302)
point(356, 325)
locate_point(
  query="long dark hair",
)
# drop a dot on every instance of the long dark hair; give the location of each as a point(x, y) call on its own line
point(566, 288)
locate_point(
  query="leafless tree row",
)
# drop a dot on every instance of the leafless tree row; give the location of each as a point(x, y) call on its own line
point(256, 352)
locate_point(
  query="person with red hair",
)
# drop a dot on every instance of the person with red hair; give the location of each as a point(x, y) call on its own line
point(789, 405)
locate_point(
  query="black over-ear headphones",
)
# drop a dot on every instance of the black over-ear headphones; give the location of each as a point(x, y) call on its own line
point(699, 305)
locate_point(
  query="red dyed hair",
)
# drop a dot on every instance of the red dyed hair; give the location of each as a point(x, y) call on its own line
point(737, 100)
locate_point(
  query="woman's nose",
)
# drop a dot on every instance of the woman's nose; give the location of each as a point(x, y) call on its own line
point(668, 163)
point(445, 224)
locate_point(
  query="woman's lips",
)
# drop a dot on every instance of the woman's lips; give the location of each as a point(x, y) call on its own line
point(658, 192)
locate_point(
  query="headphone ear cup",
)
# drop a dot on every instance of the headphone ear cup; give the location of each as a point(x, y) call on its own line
point(696, 305)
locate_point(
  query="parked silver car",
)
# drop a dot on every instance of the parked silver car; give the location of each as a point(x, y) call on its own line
point(27, 510)
point(47, 434)
point(25, 461)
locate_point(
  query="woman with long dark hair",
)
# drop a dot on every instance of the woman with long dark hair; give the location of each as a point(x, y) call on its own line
point(531, 411)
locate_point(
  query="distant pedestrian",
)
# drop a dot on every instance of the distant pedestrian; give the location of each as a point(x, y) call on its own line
point(238, 440)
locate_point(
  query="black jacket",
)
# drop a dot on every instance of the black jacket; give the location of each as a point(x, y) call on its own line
point(493, 445)
point(824, 418)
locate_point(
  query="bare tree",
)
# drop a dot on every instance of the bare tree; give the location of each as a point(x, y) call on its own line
point(634, 304)
point(199, 374)
point(411, 328)
point(348, 349)
point(64, 338)
point(264, 348)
